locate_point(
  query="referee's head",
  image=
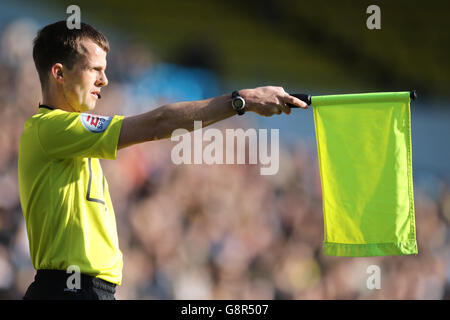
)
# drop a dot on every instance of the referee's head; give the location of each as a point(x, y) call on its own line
point(71, 65)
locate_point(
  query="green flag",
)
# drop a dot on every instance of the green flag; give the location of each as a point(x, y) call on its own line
point(364, 148)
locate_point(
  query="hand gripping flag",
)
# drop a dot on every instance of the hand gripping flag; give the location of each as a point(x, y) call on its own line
point(364, 148)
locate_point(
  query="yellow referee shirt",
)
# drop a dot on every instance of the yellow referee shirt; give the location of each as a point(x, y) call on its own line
point(64, 194)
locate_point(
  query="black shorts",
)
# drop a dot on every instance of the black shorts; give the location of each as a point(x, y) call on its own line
point(53, 285)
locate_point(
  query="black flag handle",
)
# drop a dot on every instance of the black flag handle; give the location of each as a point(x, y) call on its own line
point(307, 97)
point(302, 96)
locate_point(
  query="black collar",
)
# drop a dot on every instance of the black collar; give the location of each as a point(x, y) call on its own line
point(45, 106)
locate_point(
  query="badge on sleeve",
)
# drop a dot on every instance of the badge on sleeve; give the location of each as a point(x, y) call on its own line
point(95, 123)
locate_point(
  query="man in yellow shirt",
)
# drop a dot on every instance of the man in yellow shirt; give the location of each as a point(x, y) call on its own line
point(64, 195)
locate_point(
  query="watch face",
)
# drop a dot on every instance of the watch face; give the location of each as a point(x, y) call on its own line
point(238, 103)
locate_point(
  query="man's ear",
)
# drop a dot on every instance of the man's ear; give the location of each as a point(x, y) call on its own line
point(57, 72)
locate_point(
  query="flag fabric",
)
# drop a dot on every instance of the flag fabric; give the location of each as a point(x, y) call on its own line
point(364, 148)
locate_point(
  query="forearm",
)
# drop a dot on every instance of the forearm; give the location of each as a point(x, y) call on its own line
point(161, 122)
point(181, 115)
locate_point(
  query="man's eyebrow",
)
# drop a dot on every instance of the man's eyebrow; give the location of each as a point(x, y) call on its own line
point(96, 66)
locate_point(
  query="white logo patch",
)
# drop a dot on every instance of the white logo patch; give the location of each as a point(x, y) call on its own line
point(95, 123)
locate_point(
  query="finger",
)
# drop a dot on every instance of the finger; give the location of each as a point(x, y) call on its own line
point(295, 101)
point(284, 107)
point(275, 109)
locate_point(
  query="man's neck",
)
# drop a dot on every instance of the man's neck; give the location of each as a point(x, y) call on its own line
point(55, 102)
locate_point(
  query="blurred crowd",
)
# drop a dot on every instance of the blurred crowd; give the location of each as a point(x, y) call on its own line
point(209, 231)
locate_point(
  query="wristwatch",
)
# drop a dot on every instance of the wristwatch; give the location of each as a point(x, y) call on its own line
point(238, 103)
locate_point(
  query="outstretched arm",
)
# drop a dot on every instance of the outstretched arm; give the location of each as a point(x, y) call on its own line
point(160, 123)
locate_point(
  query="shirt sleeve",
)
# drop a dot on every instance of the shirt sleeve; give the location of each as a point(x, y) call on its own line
point(70, 135)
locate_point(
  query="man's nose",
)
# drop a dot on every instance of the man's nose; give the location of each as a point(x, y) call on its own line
point(103, 80)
